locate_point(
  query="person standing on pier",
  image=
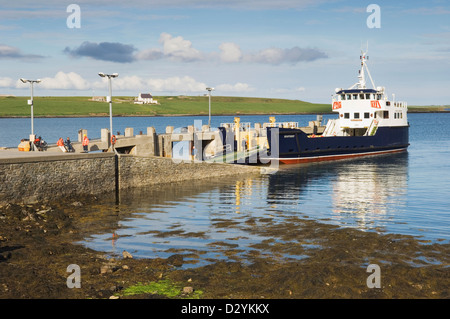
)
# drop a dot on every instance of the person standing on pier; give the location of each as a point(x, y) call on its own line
point(60, 144)
point(85, 143)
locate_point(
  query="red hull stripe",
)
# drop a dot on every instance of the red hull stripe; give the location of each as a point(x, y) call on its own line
point(334, 157)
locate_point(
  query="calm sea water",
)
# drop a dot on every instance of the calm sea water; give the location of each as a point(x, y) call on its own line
point(401, 193)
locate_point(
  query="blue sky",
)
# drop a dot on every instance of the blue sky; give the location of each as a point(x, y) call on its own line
point(295, 49)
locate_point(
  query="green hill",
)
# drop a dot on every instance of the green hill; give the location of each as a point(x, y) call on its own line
point(167, 105)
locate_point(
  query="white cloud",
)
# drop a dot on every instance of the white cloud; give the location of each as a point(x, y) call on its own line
point(123, 83)
point(175, 48)
point(74, 81)
point(7, 82)
point(65, 81)
point(176, 84)
point(182, 84)
point(238, 87)
point(136, 83)
point(179, 48)
point(271, 56)
point(230, 52)
point(149, 54)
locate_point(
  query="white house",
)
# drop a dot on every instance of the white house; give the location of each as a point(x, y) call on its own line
point(145, 98)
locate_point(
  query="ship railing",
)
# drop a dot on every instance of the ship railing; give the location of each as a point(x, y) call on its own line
point(397, 104)
point(330, 129)
point(372, 129)
point(243, 126)
point(281, 124)
point(400, 104)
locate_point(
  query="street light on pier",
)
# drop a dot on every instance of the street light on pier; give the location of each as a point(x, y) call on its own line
point(109, 98)
point(30, 102)
point(209, 94)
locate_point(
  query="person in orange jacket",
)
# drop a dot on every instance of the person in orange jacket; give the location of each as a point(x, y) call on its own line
point(60, 144)
point(85, 143)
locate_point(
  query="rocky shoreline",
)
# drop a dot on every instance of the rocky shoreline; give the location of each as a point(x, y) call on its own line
point(37, 246)
point(38, 243)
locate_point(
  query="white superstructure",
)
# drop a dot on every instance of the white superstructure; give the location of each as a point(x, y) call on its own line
point(362, 110)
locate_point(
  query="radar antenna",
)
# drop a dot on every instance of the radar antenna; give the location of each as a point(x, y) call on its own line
point(361, 84)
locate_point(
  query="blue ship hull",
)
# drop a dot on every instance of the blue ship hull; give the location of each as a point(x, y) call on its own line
point(294, 145)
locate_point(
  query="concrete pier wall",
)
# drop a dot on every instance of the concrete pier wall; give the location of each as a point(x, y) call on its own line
point(35, 179)
point(135, 171)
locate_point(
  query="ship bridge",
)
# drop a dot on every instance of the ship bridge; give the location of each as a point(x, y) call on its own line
point(358, 94)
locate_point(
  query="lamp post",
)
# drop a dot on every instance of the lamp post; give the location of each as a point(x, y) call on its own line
point(209, 118)
point(109, 76)
point(30, 102)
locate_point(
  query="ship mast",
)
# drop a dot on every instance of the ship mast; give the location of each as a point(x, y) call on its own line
point(361, 84)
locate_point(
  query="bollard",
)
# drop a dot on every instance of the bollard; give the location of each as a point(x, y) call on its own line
point(151, 131)
point(105, 135)
point(129, 132)
point(169, 129)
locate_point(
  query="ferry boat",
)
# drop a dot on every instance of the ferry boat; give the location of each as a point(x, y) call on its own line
point(368, 123)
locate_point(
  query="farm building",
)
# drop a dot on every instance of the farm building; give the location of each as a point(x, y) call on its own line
point(145, 98)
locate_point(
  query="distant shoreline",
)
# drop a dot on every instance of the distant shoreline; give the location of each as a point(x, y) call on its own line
point(181, 115)
point(167, 115)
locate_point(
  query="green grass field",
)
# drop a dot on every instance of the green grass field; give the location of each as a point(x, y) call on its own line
point(11, 106)
point(167, 105)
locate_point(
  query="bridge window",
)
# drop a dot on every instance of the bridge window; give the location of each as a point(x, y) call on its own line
point(361, 96)
point(343, 97)
point(367, 96)
point(355, 96)
point(349, 96)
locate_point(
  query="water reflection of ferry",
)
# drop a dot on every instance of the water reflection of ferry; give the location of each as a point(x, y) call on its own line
point(359, 193)
point(368, 123)
point(369, 192)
